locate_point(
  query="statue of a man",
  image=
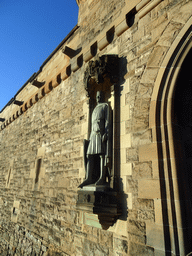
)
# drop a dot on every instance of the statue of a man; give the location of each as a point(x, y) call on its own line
point(98, 154)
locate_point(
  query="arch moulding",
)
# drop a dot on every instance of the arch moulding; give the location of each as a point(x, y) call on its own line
point(161, 123)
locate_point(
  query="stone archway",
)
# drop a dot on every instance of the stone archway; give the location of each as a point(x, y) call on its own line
point(166, 122)
point(182, 134)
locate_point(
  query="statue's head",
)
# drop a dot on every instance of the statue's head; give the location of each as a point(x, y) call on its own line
point(100, 97)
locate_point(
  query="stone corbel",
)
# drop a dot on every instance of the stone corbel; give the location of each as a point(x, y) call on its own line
point(71, 52)
point(37, 83)
point(18, 102)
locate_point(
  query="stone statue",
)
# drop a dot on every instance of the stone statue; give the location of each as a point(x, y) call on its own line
point(98, 154)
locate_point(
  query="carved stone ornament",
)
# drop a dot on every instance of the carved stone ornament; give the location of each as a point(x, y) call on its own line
point(100, 70)
point(103, 202)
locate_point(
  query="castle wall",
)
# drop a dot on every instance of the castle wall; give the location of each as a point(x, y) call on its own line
point(41, 142)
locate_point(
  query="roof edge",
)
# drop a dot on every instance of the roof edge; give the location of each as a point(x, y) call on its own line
point(41, 67)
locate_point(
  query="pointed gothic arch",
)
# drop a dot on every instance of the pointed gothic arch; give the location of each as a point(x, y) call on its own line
point(166, 123)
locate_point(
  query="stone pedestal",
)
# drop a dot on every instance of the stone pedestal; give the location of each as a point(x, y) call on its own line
point(100, 200)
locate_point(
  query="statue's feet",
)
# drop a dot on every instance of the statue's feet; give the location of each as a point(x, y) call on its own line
point(101, 182)
point(85, 183)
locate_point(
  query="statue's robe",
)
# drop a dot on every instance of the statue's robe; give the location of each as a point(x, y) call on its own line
point(100, 126)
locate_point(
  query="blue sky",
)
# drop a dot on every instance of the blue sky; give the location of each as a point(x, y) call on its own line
point(30, 30)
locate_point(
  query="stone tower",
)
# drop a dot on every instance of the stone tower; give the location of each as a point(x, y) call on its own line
point(137, 51)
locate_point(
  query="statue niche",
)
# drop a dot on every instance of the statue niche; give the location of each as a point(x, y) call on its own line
point(100, 76)
point(97, 194)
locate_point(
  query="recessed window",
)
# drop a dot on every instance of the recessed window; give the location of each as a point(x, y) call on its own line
point(38, 167)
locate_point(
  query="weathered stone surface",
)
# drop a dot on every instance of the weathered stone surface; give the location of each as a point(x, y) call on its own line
point(131, 155)
point(138, 249)
point(120, 245)
point(41, 142)
point(146, 210)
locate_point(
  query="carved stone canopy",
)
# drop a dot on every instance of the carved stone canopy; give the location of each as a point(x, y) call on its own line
point(102, 70)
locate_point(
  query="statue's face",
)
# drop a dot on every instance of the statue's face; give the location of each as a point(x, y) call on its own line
point(99, 97)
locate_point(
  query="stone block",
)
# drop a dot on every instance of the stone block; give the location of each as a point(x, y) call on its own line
point(131, 155)
point(158, 23)
point(142, 170)
point(129, 201)
point(139, 123)
point(41, 151)
point(149, 189)
point(157, 56)
point(141, 138)
point(170, 34)
point(136, 227)
point(63, 182)
point(126, 169)
point(148, 152)
point(84, 128)
point(125, 113)
point(82, 172)
point(121, 228)
point(132, 186)
point(140, 249)
point(158, 211)
point(149, 75)
point(122, 128)
point(160, 253)
point(146, 215)
point(155, 169)
point(152, 114)
point(139, 34)
point(123, 156)
point(125, 141)
point(155, 236)
point(106, 238)
point(182, 13)
point(85, 108)
point(120, 245)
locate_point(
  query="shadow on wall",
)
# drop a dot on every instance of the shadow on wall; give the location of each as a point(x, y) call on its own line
point(182, 130)
point(118, 184)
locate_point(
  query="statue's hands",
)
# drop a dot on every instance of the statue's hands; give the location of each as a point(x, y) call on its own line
point(104, 138)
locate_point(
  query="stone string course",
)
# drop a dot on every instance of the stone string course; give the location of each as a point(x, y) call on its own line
point(38, 214)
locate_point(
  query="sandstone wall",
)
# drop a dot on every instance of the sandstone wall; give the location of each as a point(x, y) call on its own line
point(41, 142)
